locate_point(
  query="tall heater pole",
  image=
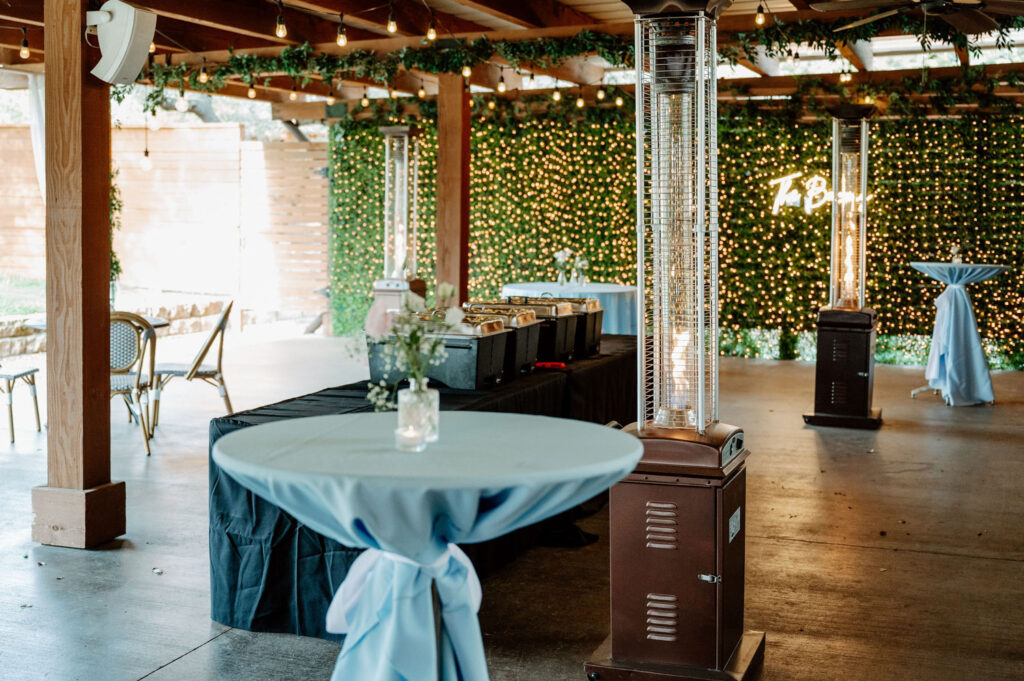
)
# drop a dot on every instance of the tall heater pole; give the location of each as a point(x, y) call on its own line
point(678, 522)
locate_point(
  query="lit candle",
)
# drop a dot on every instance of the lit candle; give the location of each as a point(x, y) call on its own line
point(410, 439)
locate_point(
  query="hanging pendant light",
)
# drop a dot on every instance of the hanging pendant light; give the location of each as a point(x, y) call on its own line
point(759, 17)
point(280, 30)
point(24, 52)
point(342, 35)
point(432, 30)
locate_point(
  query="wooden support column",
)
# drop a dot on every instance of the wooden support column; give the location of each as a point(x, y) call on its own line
point(79, 506)
point(453, 183)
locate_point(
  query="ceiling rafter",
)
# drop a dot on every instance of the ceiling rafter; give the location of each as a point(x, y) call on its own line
point(411, 16)
point(530, 13)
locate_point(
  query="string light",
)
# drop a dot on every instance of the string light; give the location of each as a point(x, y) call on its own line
point(331, 99)
point(845, 77)
point(422, 92)
point(491, 104)
point(796, 56)
point(432, 30)
point(365, 101)
point(759, 17)
point(601, 94)
point(393, 93)
point(619, 101)
point(181, 104)
point(204, 76)
point(580, 103)
point(280, 30)
point(501, 82)
point(342, 34)
point(24, 52)
point(152, 48)
point(789, 56)
point(556, 95)
point(467, 71)
point(294, 94)
point(392, 24)
point(146, 163)
point(252, 87)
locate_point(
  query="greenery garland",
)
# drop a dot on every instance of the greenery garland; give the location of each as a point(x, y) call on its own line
point(302, 63)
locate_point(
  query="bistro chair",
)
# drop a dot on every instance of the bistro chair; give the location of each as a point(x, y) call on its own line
point(8, 378)
point(208, 373)
point(132, 347)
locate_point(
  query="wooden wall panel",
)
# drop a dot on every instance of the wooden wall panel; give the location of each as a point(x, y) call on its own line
point(22, 210)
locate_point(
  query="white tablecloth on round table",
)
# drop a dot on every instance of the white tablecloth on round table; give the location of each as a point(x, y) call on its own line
point(489, 474)
point(956, 364)
point(618, 300)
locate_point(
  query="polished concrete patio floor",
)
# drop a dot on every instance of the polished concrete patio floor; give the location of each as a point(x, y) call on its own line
point(896, 554)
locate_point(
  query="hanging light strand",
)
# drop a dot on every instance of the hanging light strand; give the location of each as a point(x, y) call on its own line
point(342, 34)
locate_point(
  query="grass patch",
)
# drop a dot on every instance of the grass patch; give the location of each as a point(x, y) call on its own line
point(21, 296)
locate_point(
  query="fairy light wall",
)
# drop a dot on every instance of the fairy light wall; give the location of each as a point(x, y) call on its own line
point(566, 180)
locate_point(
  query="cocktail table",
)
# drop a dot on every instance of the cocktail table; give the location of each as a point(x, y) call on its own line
point(490, 474)
point(956, 364)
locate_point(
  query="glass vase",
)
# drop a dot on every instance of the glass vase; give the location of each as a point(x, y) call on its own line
point(561, 277)
point(419, 409)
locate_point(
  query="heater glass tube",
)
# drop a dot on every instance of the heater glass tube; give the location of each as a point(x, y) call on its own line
point(396, 206)
point(848, 214)
point(677, 221)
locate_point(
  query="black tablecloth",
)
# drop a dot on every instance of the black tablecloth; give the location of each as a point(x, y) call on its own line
point(268, 572)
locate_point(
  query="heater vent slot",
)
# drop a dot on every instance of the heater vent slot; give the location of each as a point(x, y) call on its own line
point(840, 393)
point(840, 350)
point(662, 617)
point(661, 526)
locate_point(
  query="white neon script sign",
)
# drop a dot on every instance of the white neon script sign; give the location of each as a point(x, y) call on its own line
point(815, 193)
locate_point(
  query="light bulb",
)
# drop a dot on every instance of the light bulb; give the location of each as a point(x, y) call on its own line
point(251, 94)
point(789, 57)
point(467, 71)
point(867, 99)
point(619, 101)
point(204, 77)
point(280, 30)
point(24, 52)
point(491, 104)
point(422, 92)
point(342, 36)
point(393, 94)
point(580, 103)
point(152, 48)
point(294, 94)
point(501, 84)
point(146, 163)
point(432, 31)
point(556, 95)
point(330, 98)
point(392, 24)
point(796, 56)
point(364, 102)
point(601, 94)
point(759, 17)
point(181, 104)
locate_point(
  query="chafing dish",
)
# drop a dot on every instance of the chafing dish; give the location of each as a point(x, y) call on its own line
point(474, 348)
point(523, 337)
point(557, 325)
point(587, 340)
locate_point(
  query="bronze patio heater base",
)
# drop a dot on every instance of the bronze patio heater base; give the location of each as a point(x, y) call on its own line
point(677, 563)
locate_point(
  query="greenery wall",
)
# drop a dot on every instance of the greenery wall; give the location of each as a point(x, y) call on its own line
point(566, 180)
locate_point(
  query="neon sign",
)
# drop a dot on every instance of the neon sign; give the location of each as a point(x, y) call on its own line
point(815, 193)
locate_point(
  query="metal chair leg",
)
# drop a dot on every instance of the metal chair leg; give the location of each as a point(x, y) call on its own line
point(158, 387)
point(222, 388)
point(10, 406)
point(142, 423)
point(31, 380)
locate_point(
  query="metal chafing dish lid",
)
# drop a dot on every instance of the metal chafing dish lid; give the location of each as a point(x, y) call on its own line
point(471, 325)
point(546, 308)
point(514, 317)
point(578, 304)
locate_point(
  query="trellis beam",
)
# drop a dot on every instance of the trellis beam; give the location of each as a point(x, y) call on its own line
point(859, 53)
point(530, 13)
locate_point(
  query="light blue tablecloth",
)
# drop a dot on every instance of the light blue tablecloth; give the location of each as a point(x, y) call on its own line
point(618, 300)
point(956, 364)
point(490, 474)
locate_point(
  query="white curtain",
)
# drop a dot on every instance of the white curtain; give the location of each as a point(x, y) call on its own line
point(37, 126)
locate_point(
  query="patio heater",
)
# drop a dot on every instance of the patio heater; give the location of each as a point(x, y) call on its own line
point(677, 522)
point(845, 368)
point(401, 223)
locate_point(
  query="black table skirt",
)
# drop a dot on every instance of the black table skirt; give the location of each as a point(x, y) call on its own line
point(268, 572)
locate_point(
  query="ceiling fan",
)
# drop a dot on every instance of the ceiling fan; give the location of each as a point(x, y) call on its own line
point(966, 16)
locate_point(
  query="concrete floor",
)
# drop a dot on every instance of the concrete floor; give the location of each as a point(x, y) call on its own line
point(889, 555)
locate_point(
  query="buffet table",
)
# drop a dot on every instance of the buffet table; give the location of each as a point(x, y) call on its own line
point(956, 364)
point(271, 572)
point(342, 476)
point(617, 300)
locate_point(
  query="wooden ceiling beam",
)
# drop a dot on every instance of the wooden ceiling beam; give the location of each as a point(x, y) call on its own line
point(530, 13)
point(411, 16)
point(859, 53)
point(963, 55)
point(22, 11)
point(254, 19)
point(173, 35)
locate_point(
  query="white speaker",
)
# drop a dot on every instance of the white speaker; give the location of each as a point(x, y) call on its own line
point(125, 33)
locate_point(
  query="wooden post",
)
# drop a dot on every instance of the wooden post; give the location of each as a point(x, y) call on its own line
point(79, 506)
point(453, 183)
